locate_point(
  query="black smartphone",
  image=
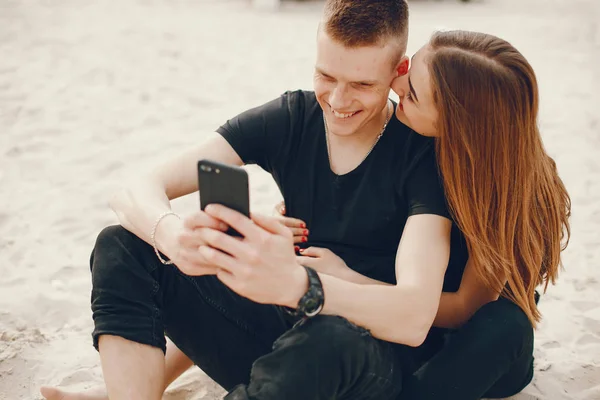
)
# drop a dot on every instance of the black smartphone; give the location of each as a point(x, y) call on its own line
point(224, 184)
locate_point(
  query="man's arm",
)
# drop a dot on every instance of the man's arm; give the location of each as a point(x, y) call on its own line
point(138, 205)
point(254, 136)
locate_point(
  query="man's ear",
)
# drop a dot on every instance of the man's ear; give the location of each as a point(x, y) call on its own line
point(402, 68)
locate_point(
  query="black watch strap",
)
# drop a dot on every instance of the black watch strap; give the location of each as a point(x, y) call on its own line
point(313, 300)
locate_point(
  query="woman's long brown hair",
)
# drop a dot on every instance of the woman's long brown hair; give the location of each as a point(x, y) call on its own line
point(502, 187)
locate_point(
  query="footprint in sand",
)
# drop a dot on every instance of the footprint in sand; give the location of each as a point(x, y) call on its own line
point(67, 225)
point(584, 305)
point(78, 376)
point(592, 325)
point(588, 339)
point(551, 345)
point(589, 283)
point(35, 145)
point(64, 273)
point(4, 218)
point(112, 167)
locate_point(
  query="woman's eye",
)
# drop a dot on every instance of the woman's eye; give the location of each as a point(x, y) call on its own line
point(408, 96)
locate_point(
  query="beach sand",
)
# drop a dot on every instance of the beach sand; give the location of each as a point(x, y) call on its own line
point(93, 93)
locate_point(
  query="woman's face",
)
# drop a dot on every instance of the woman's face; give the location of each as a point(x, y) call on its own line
point(416, 108)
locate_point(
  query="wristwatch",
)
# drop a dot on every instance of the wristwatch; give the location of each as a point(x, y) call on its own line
point(312, 302)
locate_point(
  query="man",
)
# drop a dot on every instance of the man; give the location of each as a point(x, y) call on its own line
point(359, 179)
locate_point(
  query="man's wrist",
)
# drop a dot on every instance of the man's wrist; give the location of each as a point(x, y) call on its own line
point(297, 289)
point(311, 302)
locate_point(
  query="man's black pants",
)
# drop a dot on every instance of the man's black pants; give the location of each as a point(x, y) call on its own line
point(259, 352)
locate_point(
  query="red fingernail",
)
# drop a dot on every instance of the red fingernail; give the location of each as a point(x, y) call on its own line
point(305, 233)
point(297, 248)
point(303, 225)
point(304, 239)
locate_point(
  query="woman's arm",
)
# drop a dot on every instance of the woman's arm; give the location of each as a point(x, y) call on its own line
point(402, 313)
point(457, 308)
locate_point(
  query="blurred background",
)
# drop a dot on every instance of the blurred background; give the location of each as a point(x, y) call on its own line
point(94, 92)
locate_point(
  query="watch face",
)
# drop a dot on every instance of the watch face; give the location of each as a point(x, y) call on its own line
point(311, 305)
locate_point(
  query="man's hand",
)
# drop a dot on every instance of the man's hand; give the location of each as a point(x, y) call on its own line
point(260, 266)
point(297, 226)
point(187, 256)
point(325, 261)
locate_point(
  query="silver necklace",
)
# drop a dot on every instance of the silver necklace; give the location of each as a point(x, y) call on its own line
point(387, 120)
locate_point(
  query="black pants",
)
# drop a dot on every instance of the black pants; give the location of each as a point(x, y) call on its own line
point(259, 352)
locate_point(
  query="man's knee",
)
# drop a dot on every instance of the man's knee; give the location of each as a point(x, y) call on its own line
point(329, 340)
point(327, 334)
point(119, 259)
point(327, 355)
point(124, 290)
point(115, 244)
point(113, 236)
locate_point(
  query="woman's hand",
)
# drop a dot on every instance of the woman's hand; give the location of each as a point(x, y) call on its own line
point(324, 261)
point(297, 226)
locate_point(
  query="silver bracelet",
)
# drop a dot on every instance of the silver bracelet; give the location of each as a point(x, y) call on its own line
point(153, 235)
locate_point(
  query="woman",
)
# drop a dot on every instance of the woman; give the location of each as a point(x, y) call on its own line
point(478, 97)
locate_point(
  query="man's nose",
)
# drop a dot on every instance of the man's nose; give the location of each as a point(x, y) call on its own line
point(339, 98)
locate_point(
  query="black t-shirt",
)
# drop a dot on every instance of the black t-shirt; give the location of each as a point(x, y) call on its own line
point(360, 215)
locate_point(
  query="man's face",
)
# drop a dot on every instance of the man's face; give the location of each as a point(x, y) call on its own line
point(352, 84)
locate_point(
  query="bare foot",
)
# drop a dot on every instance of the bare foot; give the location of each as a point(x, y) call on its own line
point(52, 393)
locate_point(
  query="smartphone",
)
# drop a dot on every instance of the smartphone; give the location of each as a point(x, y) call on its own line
point(224, 184)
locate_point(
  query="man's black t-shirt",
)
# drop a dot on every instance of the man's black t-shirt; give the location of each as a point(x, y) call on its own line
point(360, 215)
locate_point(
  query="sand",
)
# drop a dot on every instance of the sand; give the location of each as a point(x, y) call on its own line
point(93, 93)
